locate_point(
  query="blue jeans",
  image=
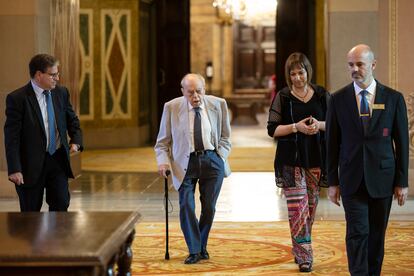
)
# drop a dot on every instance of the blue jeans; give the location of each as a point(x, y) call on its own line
point(208, 170)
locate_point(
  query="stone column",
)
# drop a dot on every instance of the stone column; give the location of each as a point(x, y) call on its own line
point(227, 60)
point(212, 41)
point(349, 23)
point(24, 32)
point(24, 29)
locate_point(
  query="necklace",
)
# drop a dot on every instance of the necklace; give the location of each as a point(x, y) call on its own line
point(300, 97)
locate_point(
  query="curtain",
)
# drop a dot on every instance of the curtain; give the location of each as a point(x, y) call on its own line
point(64, 22)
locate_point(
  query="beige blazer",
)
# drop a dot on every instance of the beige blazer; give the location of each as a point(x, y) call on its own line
point(174, 139)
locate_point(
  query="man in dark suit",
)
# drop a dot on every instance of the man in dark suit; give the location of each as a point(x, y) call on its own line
point(39, 117)
point(367, 157)
point(194, 143)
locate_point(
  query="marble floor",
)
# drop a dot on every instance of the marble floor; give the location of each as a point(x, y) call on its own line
point(245, 196)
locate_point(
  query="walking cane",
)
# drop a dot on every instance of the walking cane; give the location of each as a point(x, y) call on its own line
point(167, 255)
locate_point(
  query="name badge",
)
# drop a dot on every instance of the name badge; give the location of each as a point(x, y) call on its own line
point(378, 106)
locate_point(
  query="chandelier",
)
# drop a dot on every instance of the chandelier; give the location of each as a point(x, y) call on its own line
point(250, 12)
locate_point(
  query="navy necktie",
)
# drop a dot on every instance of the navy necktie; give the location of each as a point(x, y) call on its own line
point(364, 110)
point(198, 136)
point(51, 123)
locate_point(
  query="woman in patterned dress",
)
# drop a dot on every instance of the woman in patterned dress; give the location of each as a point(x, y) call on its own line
point(297, 121)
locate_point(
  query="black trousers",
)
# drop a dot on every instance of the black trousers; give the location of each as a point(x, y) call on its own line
point(54, 180)
point(366, 224)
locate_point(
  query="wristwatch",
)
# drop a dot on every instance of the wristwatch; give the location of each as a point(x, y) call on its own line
point(294, 129)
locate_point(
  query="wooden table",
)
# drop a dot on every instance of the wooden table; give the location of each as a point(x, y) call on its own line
point(244, 108)
point(73, 243)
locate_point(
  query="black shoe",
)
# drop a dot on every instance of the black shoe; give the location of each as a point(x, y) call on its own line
point(192, 259)
point(305, 267)
point(204, 255)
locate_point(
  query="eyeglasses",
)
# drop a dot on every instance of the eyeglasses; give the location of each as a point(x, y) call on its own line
point(53, 75)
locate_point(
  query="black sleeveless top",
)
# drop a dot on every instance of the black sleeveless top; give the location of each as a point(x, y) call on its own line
point(298, 149)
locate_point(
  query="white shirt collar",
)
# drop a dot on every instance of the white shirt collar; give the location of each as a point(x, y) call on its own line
point(37, 89)
point(371, 88)
point(190, 107)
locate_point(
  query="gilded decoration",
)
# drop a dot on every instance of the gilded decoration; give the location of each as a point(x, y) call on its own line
point(116, 65)
point(410, 114)
point(393, 46)
point(109, 59)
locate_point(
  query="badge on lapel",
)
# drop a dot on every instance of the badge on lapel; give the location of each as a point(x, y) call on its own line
point(378, 106)
point(385, 132)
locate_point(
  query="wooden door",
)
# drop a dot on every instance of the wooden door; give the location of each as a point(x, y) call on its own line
point(148, 105)
point(295, 28)
point(254, 55)
point(173, 48)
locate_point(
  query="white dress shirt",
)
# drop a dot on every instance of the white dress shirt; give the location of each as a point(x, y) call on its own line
point(205, 127)
point(41, 99)
point(370, 95)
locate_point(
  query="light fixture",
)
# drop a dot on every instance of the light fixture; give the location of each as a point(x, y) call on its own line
point(248, 11)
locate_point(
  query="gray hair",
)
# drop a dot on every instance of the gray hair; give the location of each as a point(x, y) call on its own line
point(194, 75)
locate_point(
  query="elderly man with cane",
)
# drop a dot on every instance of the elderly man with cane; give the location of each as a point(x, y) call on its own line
point(194, 143)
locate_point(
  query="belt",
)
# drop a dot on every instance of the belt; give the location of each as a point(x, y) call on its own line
point(200, 152)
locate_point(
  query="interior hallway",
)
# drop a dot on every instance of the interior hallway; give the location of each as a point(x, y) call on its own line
point(245, 196)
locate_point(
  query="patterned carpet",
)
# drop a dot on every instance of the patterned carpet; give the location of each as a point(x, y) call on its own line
point(262, 249)
point(143, 160)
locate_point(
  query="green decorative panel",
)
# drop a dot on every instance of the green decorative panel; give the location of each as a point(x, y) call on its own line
point(108, 29)
point(86, 49)
point(109, 102)
point(123, 27)
point(85, 93)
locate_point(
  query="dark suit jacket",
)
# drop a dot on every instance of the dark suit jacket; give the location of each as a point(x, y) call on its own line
point(380, 157)
point(24, 131)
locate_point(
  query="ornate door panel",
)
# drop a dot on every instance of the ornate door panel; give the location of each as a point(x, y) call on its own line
point(109, 63)
point(254, 55)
